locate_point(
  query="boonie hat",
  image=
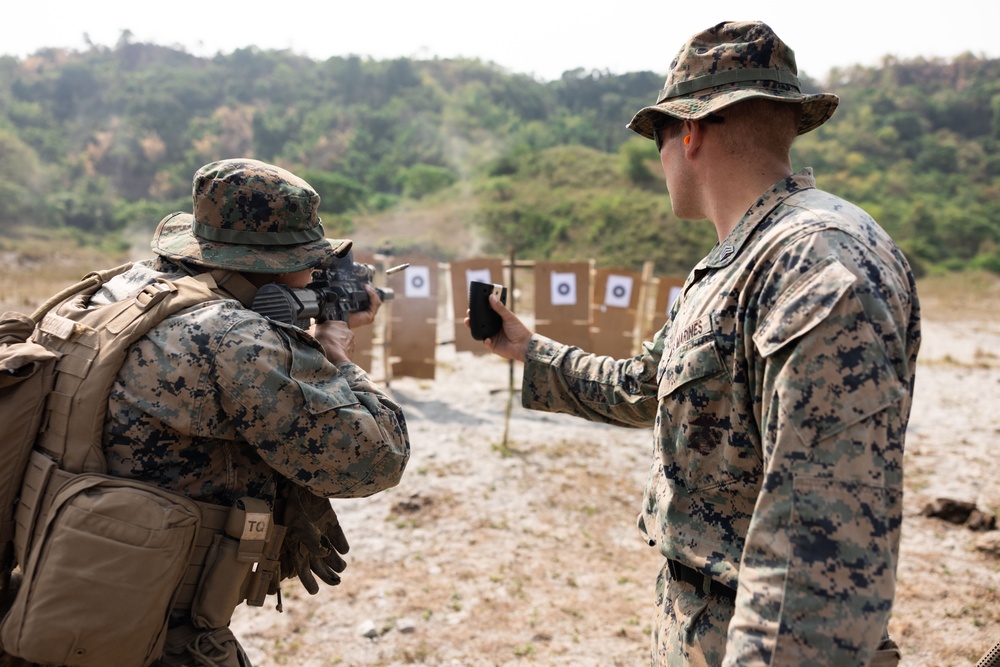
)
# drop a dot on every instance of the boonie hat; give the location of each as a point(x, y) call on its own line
point(249, 216)
point(728, 63)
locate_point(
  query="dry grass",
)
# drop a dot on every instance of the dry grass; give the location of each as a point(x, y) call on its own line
point(34, 266)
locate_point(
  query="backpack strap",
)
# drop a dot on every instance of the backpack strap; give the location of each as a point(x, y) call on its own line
point(93, 342)
point(235, 285)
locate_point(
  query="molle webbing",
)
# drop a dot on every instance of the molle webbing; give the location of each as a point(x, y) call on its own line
point(92, 343)
point(88, 345)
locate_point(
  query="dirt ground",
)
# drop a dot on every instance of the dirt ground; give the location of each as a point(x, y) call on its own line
point(514, 542)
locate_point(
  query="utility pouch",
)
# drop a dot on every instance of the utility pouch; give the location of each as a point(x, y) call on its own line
point(230, 561)
point(265, 575)
point(100, 580)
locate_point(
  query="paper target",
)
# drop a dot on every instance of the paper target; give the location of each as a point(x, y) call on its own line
point(563, 288)
point(618, 292)
point(674, 293)
point(418, 282)
point(477, 275)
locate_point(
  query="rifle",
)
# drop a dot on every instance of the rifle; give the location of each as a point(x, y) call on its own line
point(335, 293)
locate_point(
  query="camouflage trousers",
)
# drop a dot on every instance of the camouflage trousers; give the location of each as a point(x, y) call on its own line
point(690, 627)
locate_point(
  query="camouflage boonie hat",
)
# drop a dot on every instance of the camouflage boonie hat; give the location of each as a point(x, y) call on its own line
point(728, 63)
point(249, 216)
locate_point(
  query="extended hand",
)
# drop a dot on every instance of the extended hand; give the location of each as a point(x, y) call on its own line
point(512, 340)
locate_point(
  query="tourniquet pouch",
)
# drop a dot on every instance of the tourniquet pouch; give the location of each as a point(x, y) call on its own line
point(229, 561)
point(220, 588)
point(99, 583)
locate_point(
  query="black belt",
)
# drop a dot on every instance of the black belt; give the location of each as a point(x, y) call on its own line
point(681, 572)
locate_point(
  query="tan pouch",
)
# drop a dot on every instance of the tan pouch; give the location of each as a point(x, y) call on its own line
point(220, 589)
point(99, 582)
point(230, 561)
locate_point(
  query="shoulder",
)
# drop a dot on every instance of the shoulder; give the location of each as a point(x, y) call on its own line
point(206, 328)
point(815, 210)
point(813, 226)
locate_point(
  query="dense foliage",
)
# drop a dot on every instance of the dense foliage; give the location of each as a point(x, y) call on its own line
point(105, 139)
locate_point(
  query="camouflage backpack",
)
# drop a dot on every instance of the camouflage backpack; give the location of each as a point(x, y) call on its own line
point(57, 368)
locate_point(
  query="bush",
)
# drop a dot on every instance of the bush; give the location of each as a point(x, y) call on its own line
point(421, 180)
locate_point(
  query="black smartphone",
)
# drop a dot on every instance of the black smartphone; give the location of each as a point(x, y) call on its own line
point(484, 322)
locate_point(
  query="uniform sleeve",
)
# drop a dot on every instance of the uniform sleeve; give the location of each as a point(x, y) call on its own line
point(324, 426)
point(817, 578)
point(561, 378)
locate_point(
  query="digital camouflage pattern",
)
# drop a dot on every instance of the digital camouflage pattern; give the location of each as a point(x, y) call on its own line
point(725, 64)
point(217, 401)
point(779, 392)
point(249, 216)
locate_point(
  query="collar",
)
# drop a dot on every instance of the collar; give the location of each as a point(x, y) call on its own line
point(726, 250)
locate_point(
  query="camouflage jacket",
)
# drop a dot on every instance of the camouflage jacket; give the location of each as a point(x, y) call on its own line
point(779, 392)
point(217, 402)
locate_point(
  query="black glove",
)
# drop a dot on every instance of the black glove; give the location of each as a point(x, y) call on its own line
point(314, 542)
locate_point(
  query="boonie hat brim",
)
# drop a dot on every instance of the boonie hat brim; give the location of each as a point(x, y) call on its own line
point(816, 109)
point(175, 239)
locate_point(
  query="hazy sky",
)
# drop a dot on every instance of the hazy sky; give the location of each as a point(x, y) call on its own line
point(543, 38)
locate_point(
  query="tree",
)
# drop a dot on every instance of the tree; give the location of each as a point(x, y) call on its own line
point(22, 184)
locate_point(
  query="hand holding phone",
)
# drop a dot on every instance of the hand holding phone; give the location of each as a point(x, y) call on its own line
point(484, 322)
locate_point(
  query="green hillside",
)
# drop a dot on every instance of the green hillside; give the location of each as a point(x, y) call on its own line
point(450, 157)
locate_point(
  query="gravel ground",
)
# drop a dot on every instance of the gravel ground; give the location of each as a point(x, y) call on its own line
point(513, 542)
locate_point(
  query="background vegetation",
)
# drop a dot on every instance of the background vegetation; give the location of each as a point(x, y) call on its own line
point(100, 143)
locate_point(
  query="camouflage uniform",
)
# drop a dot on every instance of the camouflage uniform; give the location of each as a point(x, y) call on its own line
point(217, 401)
point(782, 381)
point(779, 392)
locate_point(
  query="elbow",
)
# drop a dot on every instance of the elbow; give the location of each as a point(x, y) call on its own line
point(388, 470)
point(379, 472)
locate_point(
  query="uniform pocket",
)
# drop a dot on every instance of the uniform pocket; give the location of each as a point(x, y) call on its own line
point(702, 439)
point(836, 371)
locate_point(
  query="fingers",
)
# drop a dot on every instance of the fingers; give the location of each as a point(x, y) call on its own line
point(365, 317)
point(337, 340)
point(307, 579)
point(336, 535)
point(375, 299)
point(498, 305)
point(512, 341)
point(334, 561)
point(325, 572)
